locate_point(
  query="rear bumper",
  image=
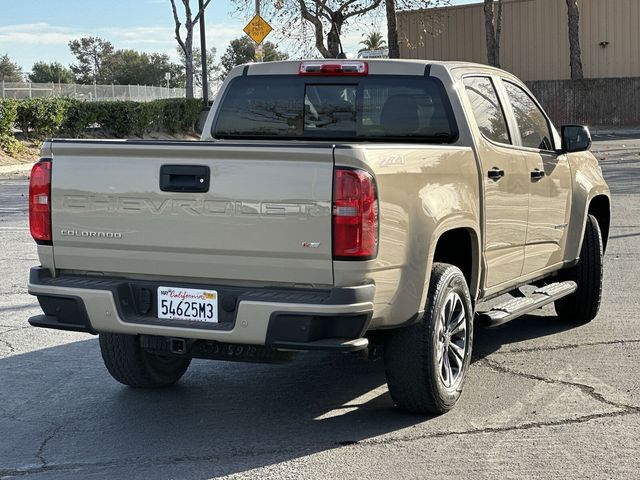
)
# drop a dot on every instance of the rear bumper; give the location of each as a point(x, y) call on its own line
point(290, 319)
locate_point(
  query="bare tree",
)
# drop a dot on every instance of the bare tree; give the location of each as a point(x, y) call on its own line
point(186, 44)
point(322, 21)
point(493, 30)
point(575, 52)
point(331, 15)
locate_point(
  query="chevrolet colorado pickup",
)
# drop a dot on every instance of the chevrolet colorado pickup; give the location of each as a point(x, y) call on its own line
point(330, 205)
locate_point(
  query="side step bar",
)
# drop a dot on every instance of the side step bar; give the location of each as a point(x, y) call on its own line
point(521, 306)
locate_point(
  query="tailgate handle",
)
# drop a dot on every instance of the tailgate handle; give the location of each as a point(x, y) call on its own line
point(184, 178)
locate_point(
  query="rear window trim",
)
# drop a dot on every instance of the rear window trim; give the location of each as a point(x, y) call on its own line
point(338, 80)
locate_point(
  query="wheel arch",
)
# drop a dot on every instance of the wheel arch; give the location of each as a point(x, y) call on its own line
point(600, 208)
point(459, 246)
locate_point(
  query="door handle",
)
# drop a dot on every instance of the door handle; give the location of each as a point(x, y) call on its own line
point(495, 174)
point(537, 174)
point(184, 178)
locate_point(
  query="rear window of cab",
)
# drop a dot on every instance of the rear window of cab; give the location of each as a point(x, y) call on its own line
point(369, 108)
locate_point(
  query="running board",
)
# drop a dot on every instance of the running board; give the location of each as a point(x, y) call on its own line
point(522, 305)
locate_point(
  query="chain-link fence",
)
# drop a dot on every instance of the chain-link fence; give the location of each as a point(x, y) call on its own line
point(91, 93)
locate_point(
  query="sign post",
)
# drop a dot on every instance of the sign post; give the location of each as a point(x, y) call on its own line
point(258, 29)
point(203, 56)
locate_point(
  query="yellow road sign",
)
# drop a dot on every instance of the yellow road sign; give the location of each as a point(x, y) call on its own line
point(257, 29)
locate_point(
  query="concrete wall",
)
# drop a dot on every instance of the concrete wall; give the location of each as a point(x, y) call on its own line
point(534, 42)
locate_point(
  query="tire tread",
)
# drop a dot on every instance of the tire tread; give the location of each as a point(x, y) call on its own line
point(129, 364)
point(583, 305)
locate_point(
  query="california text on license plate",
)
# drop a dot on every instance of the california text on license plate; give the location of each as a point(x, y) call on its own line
point(188, 304)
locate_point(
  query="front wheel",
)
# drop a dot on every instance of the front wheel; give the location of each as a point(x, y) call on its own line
point(131, 365)
point(583, 305)
point(426, 363)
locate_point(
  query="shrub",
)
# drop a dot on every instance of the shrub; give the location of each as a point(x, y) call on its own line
point(180, 114)
point(8, 116)
point(80, 116)
point(44, 116)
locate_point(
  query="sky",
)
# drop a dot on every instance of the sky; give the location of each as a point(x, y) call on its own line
point(39, 30)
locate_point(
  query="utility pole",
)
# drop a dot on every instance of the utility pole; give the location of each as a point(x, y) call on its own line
point(258, 45)
point(203, 57)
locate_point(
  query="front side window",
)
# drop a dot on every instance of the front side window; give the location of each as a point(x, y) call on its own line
point(369, 108)
point(533, 126)
point(486, 109)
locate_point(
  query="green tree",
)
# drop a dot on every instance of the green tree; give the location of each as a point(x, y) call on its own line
point(242, 50)
point(130, 67)
point(126, 67)
point(43, 72)
point(9, 71)
point(373, 41)
point(91, 53)
point(160, 63)
point(213, 69)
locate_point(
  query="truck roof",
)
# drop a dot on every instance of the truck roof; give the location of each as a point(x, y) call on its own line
point(376, 66)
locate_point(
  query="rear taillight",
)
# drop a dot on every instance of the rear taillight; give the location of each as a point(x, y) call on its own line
point(355, 215)
point(344, 68)
point(40, 201)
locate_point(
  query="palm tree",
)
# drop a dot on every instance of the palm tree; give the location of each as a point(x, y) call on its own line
point(373, 41)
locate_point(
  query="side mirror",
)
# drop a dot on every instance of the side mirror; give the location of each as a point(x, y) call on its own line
point(575, 138)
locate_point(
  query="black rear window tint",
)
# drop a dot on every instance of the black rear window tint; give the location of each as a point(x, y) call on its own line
point(358, 108)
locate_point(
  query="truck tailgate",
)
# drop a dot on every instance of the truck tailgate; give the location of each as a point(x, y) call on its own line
point(266, 215)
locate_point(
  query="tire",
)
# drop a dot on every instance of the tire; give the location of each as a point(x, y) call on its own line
point(583, 305)
point(130, 365)
point(417, 374)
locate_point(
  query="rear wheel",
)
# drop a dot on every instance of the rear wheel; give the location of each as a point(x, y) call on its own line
point(583, 305)
point(426, 363)
point(129, 364)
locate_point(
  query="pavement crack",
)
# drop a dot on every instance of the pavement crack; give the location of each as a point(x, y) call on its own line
point(490, 430)
point(567, 346)
point(8, 344)
point(167, 460)
point(586, 389)
point(13, 328)
point(43, 445)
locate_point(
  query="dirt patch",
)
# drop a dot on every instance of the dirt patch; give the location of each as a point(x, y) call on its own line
point(28, 154)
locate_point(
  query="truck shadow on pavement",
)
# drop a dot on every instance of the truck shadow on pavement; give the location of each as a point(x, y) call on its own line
point(489, 340)
point(65, 414)
point(61, 413)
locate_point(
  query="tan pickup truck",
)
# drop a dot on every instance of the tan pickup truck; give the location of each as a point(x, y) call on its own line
point(338, 205)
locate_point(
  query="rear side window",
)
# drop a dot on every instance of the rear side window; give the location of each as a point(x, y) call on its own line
point(533, 126)
point(261, 109)
point(486, 109)
point(368, 108)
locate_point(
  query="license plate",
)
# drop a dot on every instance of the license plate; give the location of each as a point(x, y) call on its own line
point(188, 304)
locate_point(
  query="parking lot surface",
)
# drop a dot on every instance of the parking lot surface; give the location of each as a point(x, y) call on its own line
point(543, 399)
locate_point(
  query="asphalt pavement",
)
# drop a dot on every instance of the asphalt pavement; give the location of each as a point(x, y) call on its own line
point(543, 399)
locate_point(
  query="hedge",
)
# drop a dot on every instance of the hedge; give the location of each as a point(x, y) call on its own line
point(39, 118)
point(8, 117)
